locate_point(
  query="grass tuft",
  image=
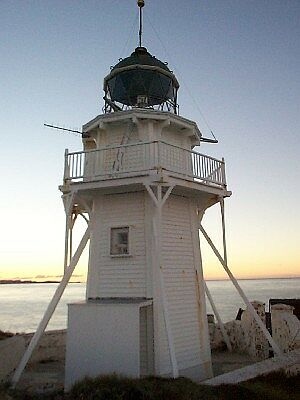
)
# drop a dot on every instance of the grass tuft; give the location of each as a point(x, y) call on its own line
point(276, 386)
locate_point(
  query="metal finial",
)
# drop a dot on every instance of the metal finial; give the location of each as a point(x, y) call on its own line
point(141, 4)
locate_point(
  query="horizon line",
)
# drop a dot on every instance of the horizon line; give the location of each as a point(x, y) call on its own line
point(33, 280)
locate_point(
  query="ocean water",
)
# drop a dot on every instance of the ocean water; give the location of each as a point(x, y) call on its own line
point(22, 306)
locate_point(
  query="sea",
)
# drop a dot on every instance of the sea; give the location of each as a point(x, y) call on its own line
point(22, 306)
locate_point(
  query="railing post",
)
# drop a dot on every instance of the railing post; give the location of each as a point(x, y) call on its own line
point(223, 172)
point(66, 167)
point(87, 165)
point(156, 154)
point(148, 156)
point(189, 163)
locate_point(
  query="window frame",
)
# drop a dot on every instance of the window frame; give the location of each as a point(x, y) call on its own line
point(128, 254)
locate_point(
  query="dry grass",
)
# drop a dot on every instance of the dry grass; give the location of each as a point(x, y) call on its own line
point(276, 386)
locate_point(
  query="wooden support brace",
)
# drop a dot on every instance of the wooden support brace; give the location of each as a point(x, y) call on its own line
point(168, 326)
point(242, 294)
point(151, 194)
point(68, 201)
point(51, 308)
point(170, 338)
point(223, 330)
point(159, 200)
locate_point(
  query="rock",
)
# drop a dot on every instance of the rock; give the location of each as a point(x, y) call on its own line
point(285, 327)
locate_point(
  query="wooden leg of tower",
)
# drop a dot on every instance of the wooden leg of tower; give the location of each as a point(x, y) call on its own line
point(156, 302)
point(204, 339)
point(223, 230)
point(221, 325)
point(67, 236)
point(210, 299)
point(51, 308)
point(68, 201)
point(70, 221)
point(240, 291)
point(73, 219)
point(159, 200)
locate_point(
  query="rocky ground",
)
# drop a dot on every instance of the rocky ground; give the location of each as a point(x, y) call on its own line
point(45, 371)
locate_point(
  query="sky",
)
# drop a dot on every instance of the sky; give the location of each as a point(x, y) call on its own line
point(238, 66)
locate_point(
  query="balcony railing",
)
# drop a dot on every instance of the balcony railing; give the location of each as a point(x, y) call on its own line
point(141, 158)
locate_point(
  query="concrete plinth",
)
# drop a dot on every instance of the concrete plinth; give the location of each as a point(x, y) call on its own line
point(103, 337)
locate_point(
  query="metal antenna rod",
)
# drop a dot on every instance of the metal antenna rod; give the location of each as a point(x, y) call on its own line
point(141, 4)
point(83, 134)
point(63, 129)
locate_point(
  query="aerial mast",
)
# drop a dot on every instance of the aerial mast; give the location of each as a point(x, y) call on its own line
point(141, 4)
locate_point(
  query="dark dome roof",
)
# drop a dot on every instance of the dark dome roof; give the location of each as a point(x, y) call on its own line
point(141, 79)
point(142, 57)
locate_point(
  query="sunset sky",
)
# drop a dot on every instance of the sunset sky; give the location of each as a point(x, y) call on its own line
point(238, 66)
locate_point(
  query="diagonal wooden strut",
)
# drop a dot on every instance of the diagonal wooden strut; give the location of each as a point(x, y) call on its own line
point(68, 201)
point(159, 200)
point(220, 322)
point(51, 308)
point(241, 293)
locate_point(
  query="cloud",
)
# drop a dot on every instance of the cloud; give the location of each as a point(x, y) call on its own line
point(54, 276)
point(21, 278)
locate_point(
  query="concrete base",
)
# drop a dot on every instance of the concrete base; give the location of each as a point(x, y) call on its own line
point(102, 338)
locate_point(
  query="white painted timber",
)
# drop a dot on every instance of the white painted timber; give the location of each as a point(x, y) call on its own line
point(241, 293)
point(220, 322)
point(181, 289)
point(290, 361)
point(150, 153)
point(123, 276)
point(200, 292)
point(134, 159)
point(159, 276)
point(51, 307)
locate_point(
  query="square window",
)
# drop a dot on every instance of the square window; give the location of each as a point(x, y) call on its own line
point(119, 241)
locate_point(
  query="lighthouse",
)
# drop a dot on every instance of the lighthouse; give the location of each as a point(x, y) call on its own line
point(144, 188)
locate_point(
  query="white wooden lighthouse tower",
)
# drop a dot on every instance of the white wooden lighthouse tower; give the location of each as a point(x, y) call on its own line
point(145, 190)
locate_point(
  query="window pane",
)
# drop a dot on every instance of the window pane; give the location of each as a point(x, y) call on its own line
point(119, 241)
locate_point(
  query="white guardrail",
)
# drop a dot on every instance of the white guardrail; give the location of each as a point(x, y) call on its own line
point(116, 161)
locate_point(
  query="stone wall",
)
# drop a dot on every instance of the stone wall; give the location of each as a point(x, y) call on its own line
point(246, 336)
point(285, 327)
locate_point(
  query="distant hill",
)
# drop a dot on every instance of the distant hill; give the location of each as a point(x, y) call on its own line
point(19, 281)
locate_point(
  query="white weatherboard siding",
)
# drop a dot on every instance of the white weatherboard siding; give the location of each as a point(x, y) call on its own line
point(115, 135)
point(176, 138)
point(117, 329)
point(180, 283)
point(119, 276)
